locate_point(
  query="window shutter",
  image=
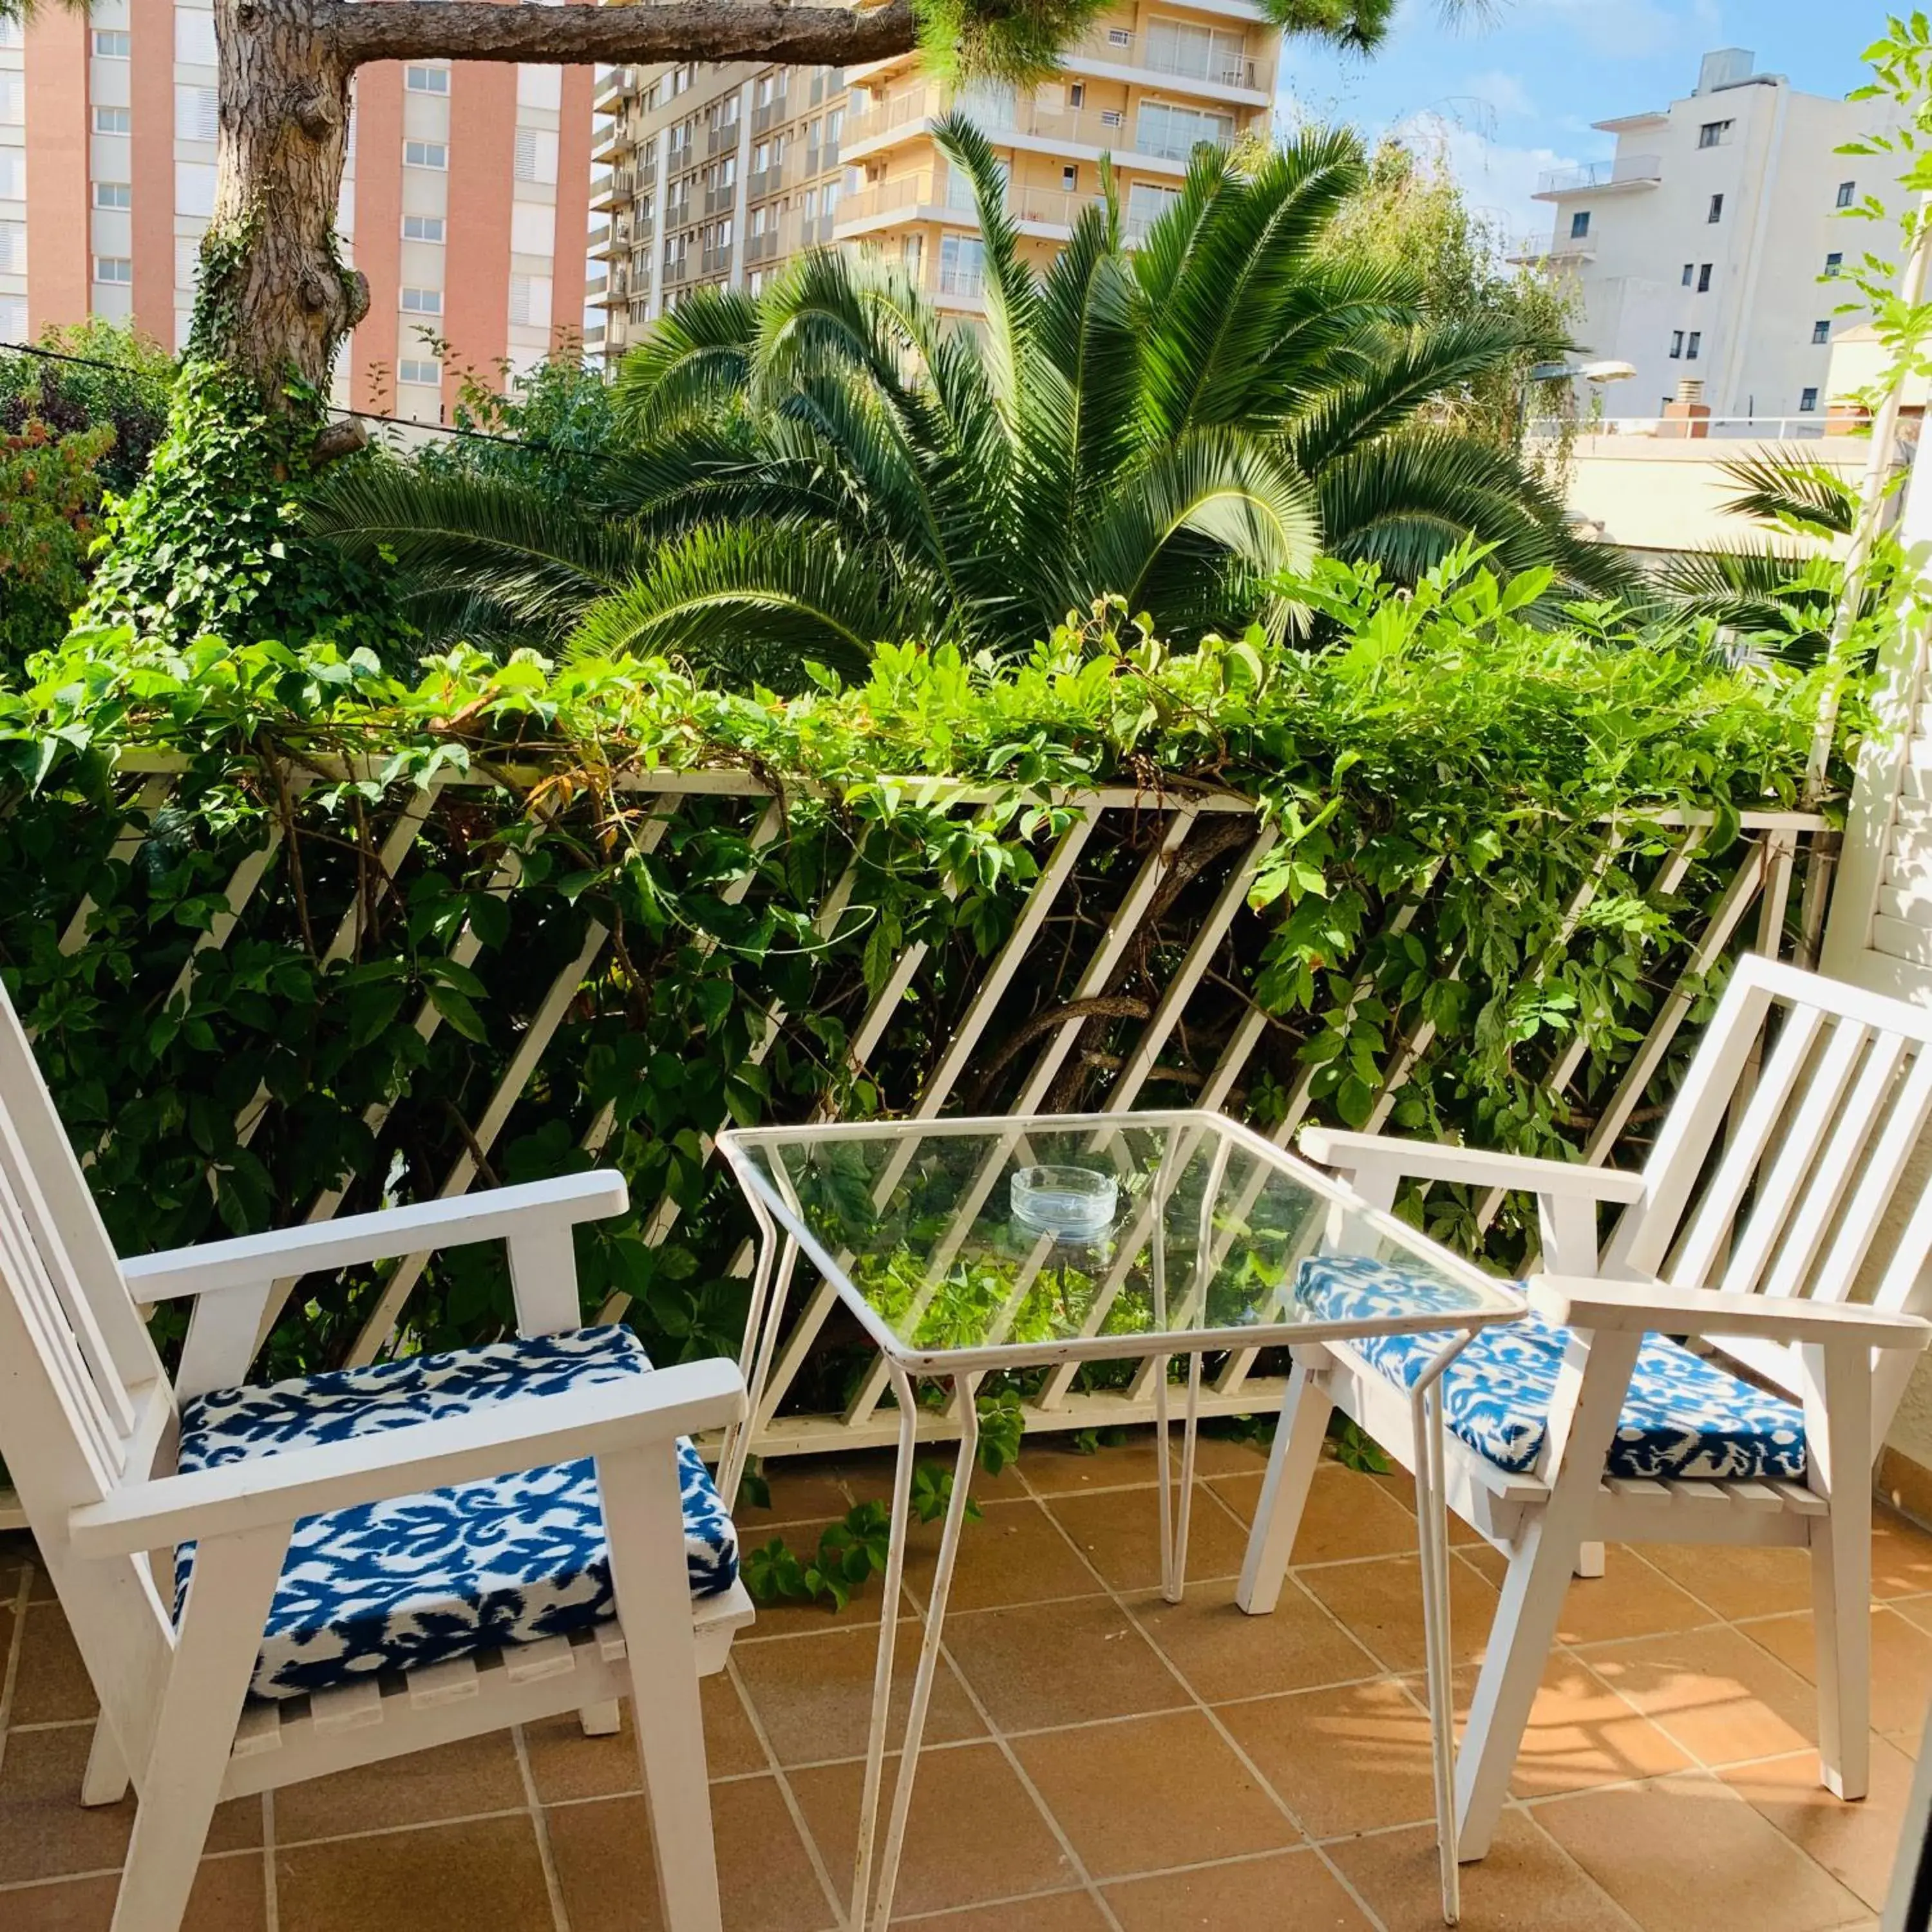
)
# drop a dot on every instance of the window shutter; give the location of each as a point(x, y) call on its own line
point(195, 114)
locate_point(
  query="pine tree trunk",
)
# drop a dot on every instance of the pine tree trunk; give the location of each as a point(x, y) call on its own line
point(275, 299)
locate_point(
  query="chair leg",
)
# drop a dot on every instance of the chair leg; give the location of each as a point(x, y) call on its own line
point(105, 1781)
point(1841, 1621)
point(1298, 1437)
point(1519, 1640)
point(214, 1657)
point(1589, 1560)
point(645, 1523)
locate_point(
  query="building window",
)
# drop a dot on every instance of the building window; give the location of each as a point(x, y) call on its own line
point(1834, 262)
point(109, 45)
point(113, 268)
point(422, 302)
point(422, 228)
point(1076, 94)
point(1069, 179)
point(1704, 279)
point(414, 369)
point(1807, 402)
point(1821, 332)
point(1716, 213)
point(1119, 36)
point(1690, 273)
point(1677, 345)
point(962, 265)
point(113, 120)
point(197, 114)
point(1173, 132)
point(1714, 133)
point(426, 79)
point(1579, 224)
point(1848, 191)
point(1690, 347)
point(12, 247)
point(113, 194)
point(425, 155)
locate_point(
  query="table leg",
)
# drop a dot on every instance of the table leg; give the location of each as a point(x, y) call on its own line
point(878, 1913)
point(763, 1319)
point(1432, 1512)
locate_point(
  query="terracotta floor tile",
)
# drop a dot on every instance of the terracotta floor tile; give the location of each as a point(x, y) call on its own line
point(457, 1781)
point(776, 1619)
point(1042, 1665)
point(1059, 1911)
point(1120, 1535)
point(1151, 1792)
point(443, 1878)
point(1347, 1515)
point(1014, 1555)
point(609, 1876)
point(1380, 1603)
point(1524, 1884)
point(1225, 1654)
point(1714, 1690)
point(1352, 1759)
point(1856, 1843)
point(1580, 1734)
point(1684, 1854)
point(1736, 1581)
point(813, 1695)
point(1901, 1665)
point(1901, 1555)
point(1629, 1599)
point(1397, 1483)
point(1052, 1467)
point(804, 1489)
point(566, 1764)
point(1288, 1889)
point(230, 1894)
point(53, 1686)
point(966, 1796)
point(45, 1831)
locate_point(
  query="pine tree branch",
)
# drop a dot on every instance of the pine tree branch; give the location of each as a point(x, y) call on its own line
point(671, 30)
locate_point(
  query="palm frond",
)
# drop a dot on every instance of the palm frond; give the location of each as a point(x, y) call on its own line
point(1790, 491)
point(756, 601)
point(696, 356)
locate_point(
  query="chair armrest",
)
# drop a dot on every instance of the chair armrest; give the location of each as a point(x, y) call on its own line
point(496, 1439)
point(250, 1260)
point(1478, 1167)
point(1652, 1306)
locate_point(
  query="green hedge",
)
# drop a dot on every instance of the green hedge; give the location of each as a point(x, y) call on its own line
point(1438, 746)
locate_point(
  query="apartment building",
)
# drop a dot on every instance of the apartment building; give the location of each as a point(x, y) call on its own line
point(717, 175)
point(464, 199)
point(1705, 249)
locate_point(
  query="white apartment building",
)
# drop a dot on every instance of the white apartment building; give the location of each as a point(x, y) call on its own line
point(1705, 248)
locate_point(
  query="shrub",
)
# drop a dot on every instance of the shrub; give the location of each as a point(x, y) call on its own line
point(1441, 753)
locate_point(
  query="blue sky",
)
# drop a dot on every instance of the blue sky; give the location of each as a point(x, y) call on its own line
point(1507, 99)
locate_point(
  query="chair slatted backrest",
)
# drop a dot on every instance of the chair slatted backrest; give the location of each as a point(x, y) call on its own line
point(1779, 1184)
point(83, 1400)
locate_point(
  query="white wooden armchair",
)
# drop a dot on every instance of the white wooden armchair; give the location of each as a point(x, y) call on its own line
point(367, 1563)
point(1583, 1425)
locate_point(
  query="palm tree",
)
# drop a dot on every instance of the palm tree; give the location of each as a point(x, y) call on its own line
point(1185, 424)
point(1783, 594)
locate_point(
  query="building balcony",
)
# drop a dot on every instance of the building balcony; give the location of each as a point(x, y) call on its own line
point(1531, 251)
point(612, 191)
point(764, 181)
point(1051, 212)
point(619, 141)
point(722, 140)
point(1224, 66)
point(716, 261)
point(909, 114)
point(774, 114)
point(1627, 172)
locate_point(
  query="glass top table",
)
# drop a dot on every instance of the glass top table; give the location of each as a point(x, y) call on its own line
point(965, 1248)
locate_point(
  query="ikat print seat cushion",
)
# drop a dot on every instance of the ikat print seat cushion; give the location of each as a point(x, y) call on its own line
point(418, 1580)
point(1683, 1418)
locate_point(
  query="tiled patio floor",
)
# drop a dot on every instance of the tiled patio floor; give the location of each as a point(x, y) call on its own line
point(1100, 1760)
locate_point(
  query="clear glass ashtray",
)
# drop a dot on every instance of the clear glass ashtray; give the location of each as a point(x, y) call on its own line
point(1069, 1203)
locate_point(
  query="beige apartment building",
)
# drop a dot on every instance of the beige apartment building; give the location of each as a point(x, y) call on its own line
point(716, 175)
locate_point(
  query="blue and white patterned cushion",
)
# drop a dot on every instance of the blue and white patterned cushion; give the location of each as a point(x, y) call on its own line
point(419, 1579)
point(1684, 1417)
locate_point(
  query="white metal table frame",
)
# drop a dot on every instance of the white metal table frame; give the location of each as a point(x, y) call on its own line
point(783, 1232)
